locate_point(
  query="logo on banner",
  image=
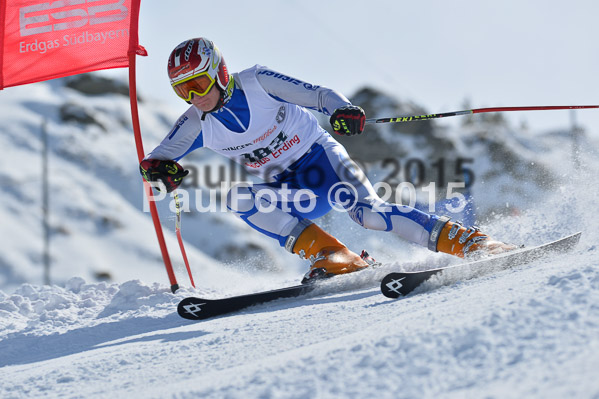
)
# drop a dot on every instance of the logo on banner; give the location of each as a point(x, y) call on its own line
point(60, 15)
point(89, 34)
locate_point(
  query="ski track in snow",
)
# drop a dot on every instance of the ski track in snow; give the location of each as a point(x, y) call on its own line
point(508, 334)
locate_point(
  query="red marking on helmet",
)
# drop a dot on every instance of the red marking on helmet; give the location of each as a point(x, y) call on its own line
point(223, 74)
point(176, 72)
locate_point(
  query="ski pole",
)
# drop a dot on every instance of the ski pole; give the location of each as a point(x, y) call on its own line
point(414, 118)
point(179, 236)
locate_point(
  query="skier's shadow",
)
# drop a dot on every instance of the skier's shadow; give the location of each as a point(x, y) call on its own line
point(24, 349)
point(308, 300)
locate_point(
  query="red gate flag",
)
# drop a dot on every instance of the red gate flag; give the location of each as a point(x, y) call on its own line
point(44, 40)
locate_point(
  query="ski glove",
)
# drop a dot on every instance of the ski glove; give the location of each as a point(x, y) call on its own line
point(348, 120)
point(168, 172)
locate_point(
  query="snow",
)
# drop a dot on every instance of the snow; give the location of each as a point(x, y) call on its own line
point(527, 332)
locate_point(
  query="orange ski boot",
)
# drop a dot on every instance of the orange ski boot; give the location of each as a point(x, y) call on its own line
point(327, 255)
point(455, 239)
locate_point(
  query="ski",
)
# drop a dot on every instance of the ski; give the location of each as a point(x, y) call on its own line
point(399, 284)
point(193, 308)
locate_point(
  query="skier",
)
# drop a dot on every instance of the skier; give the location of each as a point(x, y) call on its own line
point(258, 118)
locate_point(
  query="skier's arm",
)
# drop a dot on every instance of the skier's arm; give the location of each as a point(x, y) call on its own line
point(160, 165)
point(184, 137)
point(346, 119)
point(295, 91)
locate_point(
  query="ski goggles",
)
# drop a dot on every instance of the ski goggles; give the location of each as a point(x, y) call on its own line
point(199, 85)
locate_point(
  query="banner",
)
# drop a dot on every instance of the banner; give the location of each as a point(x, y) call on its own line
point(47, 40)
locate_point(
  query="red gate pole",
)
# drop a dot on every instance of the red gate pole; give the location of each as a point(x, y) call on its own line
point(147, 188)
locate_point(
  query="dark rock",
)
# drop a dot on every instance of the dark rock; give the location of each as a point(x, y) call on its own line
point(94, 85)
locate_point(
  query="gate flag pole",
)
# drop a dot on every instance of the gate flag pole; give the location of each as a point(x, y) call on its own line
point(134, 50)
point(63, 38)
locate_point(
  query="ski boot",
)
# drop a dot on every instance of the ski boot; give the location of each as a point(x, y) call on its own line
point(327, 255)
point(455, 239)
point(316, 273)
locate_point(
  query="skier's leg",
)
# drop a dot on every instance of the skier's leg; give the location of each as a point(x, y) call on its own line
point(367, 209)
point(345, 185)
point(258, 212)
point(280, 213)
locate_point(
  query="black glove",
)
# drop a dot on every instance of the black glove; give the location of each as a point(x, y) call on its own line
point(348, 120)
point(168, 172)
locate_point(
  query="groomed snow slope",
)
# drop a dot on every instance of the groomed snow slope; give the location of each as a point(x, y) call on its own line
point(528, 332)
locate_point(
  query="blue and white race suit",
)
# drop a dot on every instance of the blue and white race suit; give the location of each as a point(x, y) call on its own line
point(266, 127)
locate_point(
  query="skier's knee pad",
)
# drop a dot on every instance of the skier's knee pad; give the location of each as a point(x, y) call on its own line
point(369, 216)
point(240, 199)
point(405, 221)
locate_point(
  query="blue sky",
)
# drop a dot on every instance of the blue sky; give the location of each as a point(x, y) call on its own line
point(436, 53)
